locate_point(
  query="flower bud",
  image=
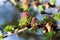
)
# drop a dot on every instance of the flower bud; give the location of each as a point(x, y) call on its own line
point(25, 19)
point(25, 15)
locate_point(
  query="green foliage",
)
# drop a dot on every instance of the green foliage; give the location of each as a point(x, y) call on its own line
point(57, 16)
point(23, 22)
point(41, 8)
point(34, 13)
point(49, 36)
point(52, 2)
point(1, 37)
point(8, 28)
point(47, 19)
point(21, 6)
point(29, 9)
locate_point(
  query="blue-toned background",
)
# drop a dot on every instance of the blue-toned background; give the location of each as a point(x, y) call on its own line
point(7, 12)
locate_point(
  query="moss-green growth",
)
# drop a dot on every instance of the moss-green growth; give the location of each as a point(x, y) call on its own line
point(57, 16)
point(1, 37)
point(52, 2)
point(34, 13)
point(49, 36)
point(47, 19)
point(22, 6)
point(24, 21)
point(41, 8)
point(8, 28)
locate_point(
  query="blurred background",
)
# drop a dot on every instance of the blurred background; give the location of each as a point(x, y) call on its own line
point(8, 12)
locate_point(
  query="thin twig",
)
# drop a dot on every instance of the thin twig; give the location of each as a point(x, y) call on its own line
point(21, 30)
